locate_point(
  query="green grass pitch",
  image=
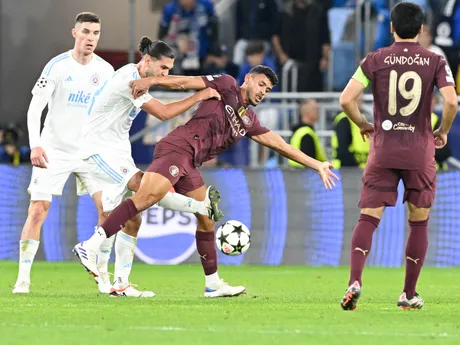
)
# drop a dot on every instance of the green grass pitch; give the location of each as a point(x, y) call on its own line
point(284, 305)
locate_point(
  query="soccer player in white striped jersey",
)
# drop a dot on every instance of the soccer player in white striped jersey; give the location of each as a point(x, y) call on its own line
point(108, 151)
point(67, 85)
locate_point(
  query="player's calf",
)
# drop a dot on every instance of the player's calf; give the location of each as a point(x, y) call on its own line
point(125, 245)
point(205, 243)
point(29, 243)
point(38, 210)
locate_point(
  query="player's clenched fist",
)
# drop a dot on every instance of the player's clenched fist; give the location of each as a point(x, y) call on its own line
point(38, 157)
point(366, 130)
point(327, 176)
point(139, 87)
point(209, 93)
point(440, 139)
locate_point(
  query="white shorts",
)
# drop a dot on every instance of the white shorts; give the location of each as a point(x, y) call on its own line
point(110, 174)
point(47, 182)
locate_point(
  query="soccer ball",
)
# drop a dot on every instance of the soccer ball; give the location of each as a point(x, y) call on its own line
point(233, 238)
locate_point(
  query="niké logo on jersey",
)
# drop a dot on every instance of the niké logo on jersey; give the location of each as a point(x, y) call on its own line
point(80, 98)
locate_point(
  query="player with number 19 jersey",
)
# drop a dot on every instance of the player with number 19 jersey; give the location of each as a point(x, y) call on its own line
point(403, 78)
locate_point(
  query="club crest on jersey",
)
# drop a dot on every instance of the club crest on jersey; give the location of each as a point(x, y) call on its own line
point(173, 170)
point(124, 170)
point(386, 125)
point(243, 116)
point(35, 180)
point(95, 79)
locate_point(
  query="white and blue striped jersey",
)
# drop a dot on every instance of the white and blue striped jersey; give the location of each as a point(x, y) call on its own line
point(111, 115)
point(68, 87)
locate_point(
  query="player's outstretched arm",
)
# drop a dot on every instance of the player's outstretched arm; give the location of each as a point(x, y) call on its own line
point(173, 82)
point(38, 155)
point(275, 142)
point(165, 112)
point(449, 111)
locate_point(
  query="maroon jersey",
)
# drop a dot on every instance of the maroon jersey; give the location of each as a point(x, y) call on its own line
point(217, 125)
point(403, 77)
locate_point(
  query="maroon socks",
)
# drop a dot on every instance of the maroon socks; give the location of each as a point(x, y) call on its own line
point(118, 217)
point(361, 244)
point(416, 248)
point(205, 244)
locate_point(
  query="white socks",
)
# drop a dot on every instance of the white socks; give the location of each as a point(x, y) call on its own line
point(179, 202)
point(213, 281)
point(96, 240)
point(124, 256)
point(103, 256)
point(27, 251)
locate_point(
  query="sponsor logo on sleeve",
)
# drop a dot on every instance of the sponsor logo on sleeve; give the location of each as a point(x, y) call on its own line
point(41, 83)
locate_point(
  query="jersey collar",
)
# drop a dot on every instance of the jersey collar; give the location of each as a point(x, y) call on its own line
point(406, 43)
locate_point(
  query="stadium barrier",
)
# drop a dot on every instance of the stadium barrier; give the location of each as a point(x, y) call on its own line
point(292, 219)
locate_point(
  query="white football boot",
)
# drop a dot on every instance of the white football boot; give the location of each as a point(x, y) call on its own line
point(128, 290)
point(21, 287)
point(416, 302)
point(103, 282)
point(223, 290)
point(88, 258)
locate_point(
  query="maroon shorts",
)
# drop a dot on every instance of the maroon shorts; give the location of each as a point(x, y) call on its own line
point(177, 166)
point(380, 186)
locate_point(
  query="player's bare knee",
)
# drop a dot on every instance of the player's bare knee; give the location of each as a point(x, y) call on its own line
point(38, 211)
point(417, 214)
point(135, 181)
point(373, 212)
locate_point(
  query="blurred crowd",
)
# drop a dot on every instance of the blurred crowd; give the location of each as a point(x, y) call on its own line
point(281, 32)
point(13, 145)
point(266, 32)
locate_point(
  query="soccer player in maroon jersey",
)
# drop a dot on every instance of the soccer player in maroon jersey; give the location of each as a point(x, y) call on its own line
point(215, 126)
point(403, 77)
